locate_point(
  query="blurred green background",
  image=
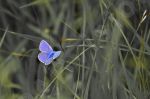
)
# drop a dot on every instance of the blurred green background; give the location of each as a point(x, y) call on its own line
point(105, 48)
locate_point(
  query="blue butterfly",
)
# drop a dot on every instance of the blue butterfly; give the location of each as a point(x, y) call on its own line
point(47, 54)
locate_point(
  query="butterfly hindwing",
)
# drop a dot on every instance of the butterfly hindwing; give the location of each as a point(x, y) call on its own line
point(43, 57)
point(48, 61)
point(45, 47)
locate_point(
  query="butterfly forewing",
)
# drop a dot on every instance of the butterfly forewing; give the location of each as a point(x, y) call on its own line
point(56, 54)
point(45, 47)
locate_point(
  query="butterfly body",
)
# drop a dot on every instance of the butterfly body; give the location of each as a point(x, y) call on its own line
point(47, 54)
point(51, 54)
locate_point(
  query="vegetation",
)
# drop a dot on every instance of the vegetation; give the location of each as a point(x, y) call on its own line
point(105, 48)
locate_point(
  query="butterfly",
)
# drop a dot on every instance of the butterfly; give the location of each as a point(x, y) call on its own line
point(47, 54)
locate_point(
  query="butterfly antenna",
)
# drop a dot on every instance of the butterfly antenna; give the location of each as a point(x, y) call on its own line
point(61, 45)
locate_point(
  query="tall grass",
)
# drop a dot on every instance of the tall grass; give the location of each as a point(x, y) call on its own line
point(105, 48)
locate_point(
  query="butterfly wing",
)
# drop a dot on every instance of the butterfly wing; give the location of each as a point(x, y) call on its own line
point(48, 61)
point(56, 54)
point(42, 57)
point(45, 47)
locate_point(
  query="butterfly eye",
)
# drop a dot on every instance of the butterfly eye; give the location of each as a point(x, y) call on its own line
point(55, 48)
